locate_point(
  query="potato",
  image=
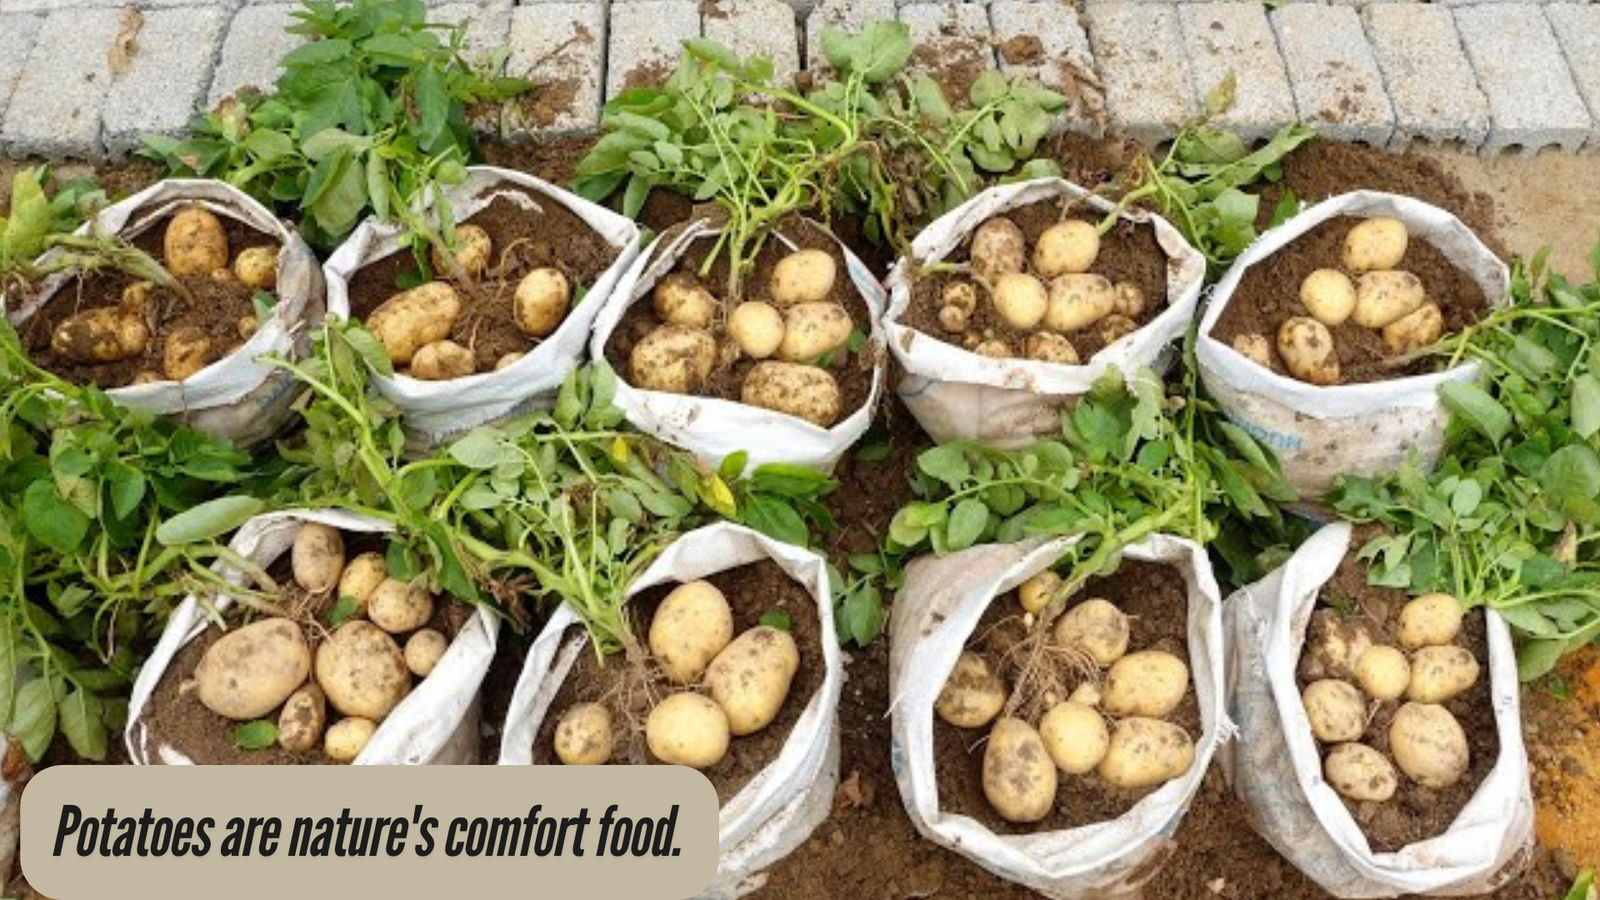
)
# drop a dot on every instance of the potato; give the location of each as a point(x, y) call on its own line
point(102, 335)
point(1078, 301)
point(223, 275)
point(398, 607)
point(1087, 693)
point(805, 276)
point(147, 378)
point(1429, 745)
point(409, 321)
point(195, 243)
point(750, 678)
point(674, 359)
point(1429, 621)
point(757, 328)
point(1145, 753)
point(583, 736)
point(994, 348)
point(953, 319)
point(687, 730)
point(541, 301)
point(963, 295)
point(1149, 683)
point(251, 670)
point(1019, 778)
point(1256, 348)
point(472, 254)
point(812, 329)
point(1329, 296)
point(362, 670)
point(361, 577)
point(1386, 296)
point(317, 557)
point(347, 738)
point(1336, 710)
point(1414, 331)
point(507, 361)
point(806, 392)
point(998, 247)
point(678, 299)
point(1378, 243)
point(1383, 672)
point(1047, 346)
point(973, 694)
point(1439, 674)
point(442, 361)
point(1360, 773)
point(1037, 592)
point(257, 268)
point(1114, 327)
point(1336, 645)
point(423, 651)
point(1129, 299)
point(1096, 627)
point(1075, 736)
point(247, 326)
point(139, 297)
point(304, 716)
point(690, 627)
point(1066, 247)
point(1020, 299)
point(1307, 349)
point(187, 350)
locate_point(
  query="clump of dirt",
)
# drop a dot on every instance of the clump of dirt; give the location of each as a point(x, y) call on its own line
point(753, 591)
point(1021, 50)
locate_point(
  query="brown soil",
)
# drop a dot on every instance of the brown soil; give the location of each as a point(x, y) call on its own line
point(1269, 295)
point(753, 591)
point(953, 59)
point(1561, 723)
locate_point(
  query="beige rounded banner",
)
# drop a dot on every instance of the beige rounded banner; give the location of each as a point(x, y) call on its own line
point(247, 832)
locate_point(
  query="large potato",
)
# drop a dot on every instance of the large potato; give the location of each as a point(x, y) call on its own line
point(813, 329)
point(250, 671)
point(473, 252)
point(1020, 299)
point(361, 577)
point(1075, 736)
point(1386, 296)
point(1360, 773)
point(1375, 244)
point(805, 276)
point(1414, 331)
point(1329, 295)
point(1047, 346)
point(1066, 247)
point(362, 671)
point(409, 321)
point(1429, 745)
point(423, 651)
point(583, 736)
point(1439, 674)
point(442, 361)
point(348, 737)
point(257, 268)
point(757, 328)
point(304, 716)
point(186, 351)
point(1383, 672)
point(678, 299)
point(1096, 627)
point(691, 626)
point(1306, 347)
point(1019, 778)
point(1429, 621)
point(102, 335)
point(1078, 301)
point(973, 694)
point(317, 557)
point(1145, 753)
point(805, 392)
point(674, 359)
point(687, 730)
point(1149, 683)
point(1336, 710)
point(398, 607)
point(750, 678)
point(541, 301)
point(195, 243)
point(1037, 592)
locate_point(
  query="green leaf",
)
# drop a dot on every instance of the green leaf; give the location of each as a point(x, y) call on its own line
point(257, 735)
point(733, 465)
point(1572, 472)
point(948, 463)
point(1480, 411)
point(1536, 658)
point(83, 723)
point(33, 722)
point(988, 88)
point(341, 611)
point(433, 108)
point(51, 520)
point(861, 617)
point(778, 620)
point(1586, 405)
point(775, 519)
point(208, 520)
point(966, 524)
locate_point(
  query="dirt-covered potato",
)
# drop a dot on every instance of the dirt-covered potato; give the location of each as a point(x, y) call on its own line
point(257, 268)
point(139, 297)
point(1019, 778)
point(1075, 736)
point(674, 359)
point(411, 320)
point(473, 252)
point(1429, 745)
point(1078, 301)
point(1114, 327)
point(805, 392)
point(362, 671)
point(1429, 621)
point(195, 243)
point(691, 626)
point(1047, 346)
point(998, 246)
point(1307, 349)
point(1375, 244)
point(1066, 247)
point(423, 651)
point(1386, 296)
point(1149, 683)
point(251, 670)
point(1086, 693)
point(317, 557)
point(347, 737)
point(398, 607)
point(687, 730)
point(1329, 296)
point(678, 299)
point(507, 361)
point(1145, 753)
point(1036, 593)
point(247, 326)
point(1336, 644)
point(1360, 773)
point(102, 335)
point(1414, 331)
point(994, 348)
point(541, 301)
point(962, 295)
point(1336, 710)
point(302, 719)
point(757, 328)
point(1096, 627)
point(805, 276)
point(1439, 674)
point(442, 361)
point(973, 694)
point(187, 350)
point(750, 678)
point(1383, 672)
point(813, 329)
point(361, 577)
point(1256, 348)
point(1020, 299)
point(954, 319)
point(583, 736)
point(1129, 299)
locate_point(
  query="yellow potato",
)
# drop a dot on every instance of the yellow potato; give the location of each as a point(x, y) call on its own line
point(1383, 672)
point(690, 627)
point(1078, 301)
point(317, 557)
point(1020, 299)
point(347, 738)
point(1429, 745)
point(541, 301)
point(757, 328)
point(361, 577)
point(362, 671)
point(251, 670)
point(954, 319)
point(1099, 629)
point(1439, 674)
point(1047, 346)
point(963, 295)
point(1070, 246)
point(1075, 736)
point(687, 730)
point(1429, 621)
point(147, 378)
point(1335, 647)
point(409, 321)
point(1335, 709)
point(1115, 327)
point(195, 243)
point(442, 361)
point(507, 361)
point(1019, 778)
point(1378, 243)
point(257, 267)
point(998, 247)
point(247, 326)
point(1308, 353)
point(673, 359)
point(973, 694)
point(102, 335)
point(1087, 693)
point(1129, 300)
point(304, 716)
point(1329, 296)
point(139, 297)
point(1145, 753)
point(1149, 683)
point(1256, 348)
point(398, 607)
point(805, 276)
point(1037, 592)
point(813, 329)
point(805, 392)
point(1360, 773)
point(473, 252)
point(750, 678)
point(583, 736)
point(1386, 296)
point(994, 348)
point(423, 651)
point(678, 299)
point(1414, 331)
point(187, 350)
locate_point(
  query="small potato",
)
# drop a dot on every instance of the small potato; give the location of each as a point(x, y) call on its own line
point(398, 607)
point(757, 328)
point(728, 353)
point(247, 327)
point(361, 669)
point(304, 716)
point(805, 276)
point(1099, 629)
point(1035, 593)
point(1129, 299)
point(953, 319)
point(541, 301)
point(673, 359)
point(998, 246)
point(102, 335)
point(1429, 621)
point(687, 730)
point(678, 299)
point(1335, 646)
point(195, 243)
point(1047, 346)
point(805, 392)
point(251, 670)
point(1307, 349)
point(690, 627)
point(994, 348)
point(1336, 710)
point(961, 294)
point(1386, 296)
point(1360, 773)
point(1429, 745)
point(147, 378)
point(1149, 683)
point(1078, 301)
point(583, 736)
point(186, 352)
point(973, 694)
point(139, 297)
point(1378, 243)
point(472, 254)
point(750, 678)
point(442, 361)
point(317, 557)
point(409, 321)
point(1020, 299)
point(1066, 247)
point(1414, 331)
point(1329, 296)
point(1075, 736)
point(1114, 327)
point(223, 275)
point(1145, 753)
point(347, 738)
point(1256, 348)
point(507, 361)
point(361, 578)
point(1383, 672)
point(423, 651)
point(1019, 778)
point(1439, 674)
point(1087, 693)
point(257, 268)
point(813, 329)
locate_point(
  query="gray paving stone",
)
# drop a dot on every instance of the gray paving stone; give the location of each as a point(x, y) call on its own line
point(1577, 27)
point(55, 107)
point(488, 24)
point(1533, 102)
point(48, 6)
point(646, 39)
point(17, 34)
point(849, 15)
point(1235, 37)
point(256, 41)
point(951, 41)
point(1336, 81)
point(756, 28)
point(1429, 79)
point(561, 46)
point(166, 78)
point(1149, 91)
point(1044, 40)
